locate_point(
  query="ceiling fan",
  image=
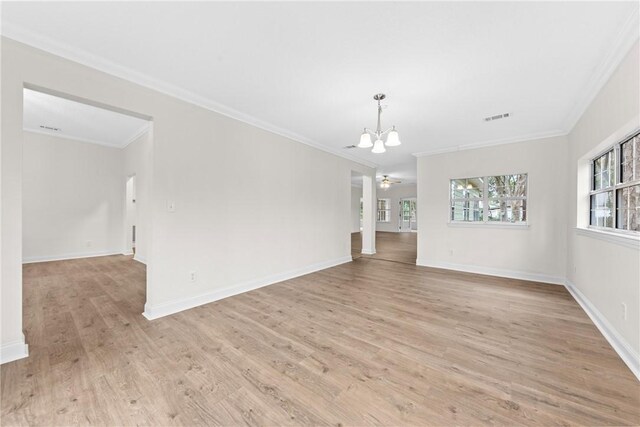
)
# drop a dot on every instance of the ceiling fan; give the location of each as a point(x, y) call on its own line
point(386, 182)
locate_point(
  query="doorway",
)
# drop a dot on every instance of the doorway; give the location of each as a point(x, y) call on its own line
point(356, 208)
point(408, 221)
point(131, 215)
point(362, 214)
point(85, 169)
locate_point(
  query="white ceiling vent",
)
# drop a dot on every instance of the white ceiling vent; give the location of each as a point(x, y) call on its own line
point(497, 117)
point(51, 128)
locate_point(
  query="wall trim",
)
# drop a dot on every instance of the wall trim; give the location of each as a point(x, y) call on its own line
point(367, 252)
point(46, 44)
point(491, 143)
point(619, 344)
point(612, 237)
point(490, 271)
point(140, 259)
point(144, 129)
point(71, 138)
point(616, 53)
point(75, 255)
point(152, 312)
point(14, 350)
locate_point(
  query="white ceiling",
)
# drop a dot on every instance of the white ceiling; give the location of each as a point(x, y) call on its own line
point(78, 121)
point(309, 69)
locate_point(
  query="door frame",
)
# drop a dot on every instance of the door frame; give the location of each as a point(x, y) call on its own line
point(401, 221)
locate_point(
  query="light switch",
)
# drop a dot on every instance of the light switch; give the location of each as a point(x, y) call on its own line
point(171, 206)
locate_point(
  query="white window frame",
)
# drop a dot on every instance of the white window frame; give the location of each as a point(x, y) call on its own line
point(617, 185)
point(485, 204)
point(387, 211)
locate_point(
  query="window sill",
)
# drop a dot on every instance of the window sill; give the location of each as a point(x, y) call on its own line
point(482, 224)
point(627, 240)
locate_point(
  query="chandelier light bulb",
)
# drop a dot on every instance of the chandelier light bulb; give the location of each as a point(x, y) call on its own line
point(393, 139)
point(365, 140)
point(378, 147)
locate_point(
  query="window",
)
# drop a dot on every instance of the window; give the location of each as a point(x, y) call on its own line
point(500, 198)
point(615, 187)
point(384, 210)
point(467, 199)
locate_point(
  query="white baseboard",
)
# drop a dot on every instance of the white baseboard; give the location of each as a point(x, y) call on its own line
point(511, 274)
point(14, 350)
point(76, 255)
point(128, 253)
point(366, 252)
point(160, 310)
point(140, 259)
point(619, 344)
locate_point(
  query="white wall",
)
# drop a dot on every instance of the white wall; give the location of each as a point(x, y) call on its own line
point(230, 227)
point(606, 272)
point(395, 193)
point(137, 160)
point(537, 251)
point(356, 196)
point(72, 203)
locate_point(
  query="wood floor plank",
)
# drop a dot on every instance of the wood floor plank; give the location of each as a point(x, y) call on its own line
point(378, 341)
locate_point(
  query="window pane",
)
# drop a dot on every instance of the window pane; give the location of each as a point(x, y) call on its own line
point(628, 206)
point(630, 160)
point(470, 210)
point(507, 210)
point(383, 204)
point(636, 157)
point(601, 209)
point(603, 171)
point(597, 169)
point(384, 216)
point(467, 188)
point(507, 185)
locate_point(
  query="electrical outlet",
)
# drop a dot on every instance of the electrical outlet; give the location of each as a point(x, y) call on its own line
point(171, 206)
point(89, 243)
point(192, 276)
point(624, 311)
point(451, 252)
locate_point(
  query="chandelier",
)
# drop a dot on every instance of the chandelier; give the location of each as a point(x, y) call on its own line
point(393, 139)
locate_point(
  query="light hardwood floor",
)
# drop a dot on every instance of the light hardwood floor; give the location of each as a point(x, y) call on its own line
point(365, 343)
point(398, 247)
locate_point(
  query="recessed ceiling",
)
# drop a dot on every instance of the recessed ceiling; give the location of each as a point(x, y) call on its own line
point(310, 69)
point(53, 115)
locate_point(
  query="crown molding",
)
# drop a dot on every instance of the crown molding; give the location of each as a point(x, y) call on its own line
point(494, 142)
point(72, 138)
point(21, 35)
point(624, 41)
point(143, 129)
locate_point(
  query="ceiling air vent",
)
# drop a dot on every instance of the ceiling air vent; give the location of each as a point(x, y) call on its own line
point(51, 128)
point(497, 117)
